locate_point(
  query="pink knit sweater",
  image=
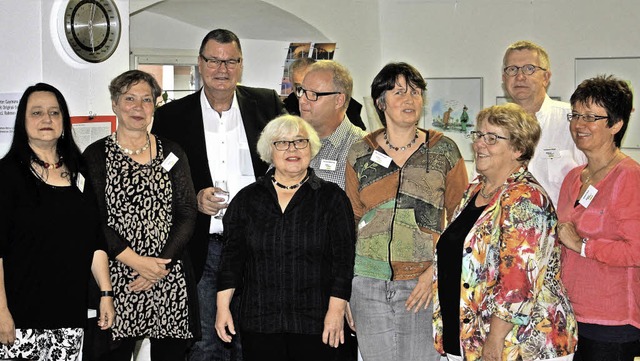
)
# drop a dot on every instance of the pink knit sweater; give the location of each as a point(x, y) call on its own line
point(604, 286)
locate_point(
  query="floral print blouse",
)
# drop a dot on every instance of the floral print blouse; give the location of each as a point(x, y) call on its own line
point(511, 269)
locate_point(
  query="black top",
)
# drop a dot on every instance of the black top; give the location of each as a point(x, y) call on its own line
point(288, 264)
point(48, 236)
point(353, 110)
point(181, 121)
point(449, 250)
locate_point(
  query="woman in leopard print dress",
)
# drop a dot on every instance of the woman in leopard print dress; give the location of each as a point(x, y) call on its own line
point(148, 206)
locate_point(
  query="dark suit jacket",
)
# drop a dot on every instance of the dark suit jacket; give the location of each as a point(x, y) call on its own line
point(181, 121)
point(353, 110)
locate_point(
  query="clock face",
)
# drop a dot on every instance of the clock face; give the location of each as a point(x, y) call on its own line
point(92, 28)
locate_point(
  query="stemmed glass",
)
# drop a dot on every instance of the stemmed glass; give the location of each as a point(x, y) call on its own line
point(222, 193)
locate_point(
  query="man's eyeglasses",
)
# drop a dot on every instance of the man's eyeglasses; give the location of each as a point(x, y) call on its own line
point(311, 95)
point(214, 63)
point(589, 118)
point(488, 138)
point(527, 69)
point(286, 144)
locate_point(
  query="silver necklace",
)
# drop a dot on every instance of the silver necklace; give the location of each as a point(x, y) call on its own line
point(401, 149)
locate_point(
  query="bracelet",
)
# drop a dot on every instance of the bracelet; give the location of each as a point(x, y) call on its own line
point(106, 293)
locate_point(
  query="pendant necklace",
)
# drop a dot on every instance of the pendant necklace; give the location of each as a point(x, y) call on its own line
point(46, 165)
point(129, 151)
point(401, 149)
point(273, 179)
point(588, 178)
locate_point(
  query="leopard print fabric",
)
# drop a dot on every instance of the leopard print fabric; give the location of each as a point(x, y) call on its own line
point(139, 208)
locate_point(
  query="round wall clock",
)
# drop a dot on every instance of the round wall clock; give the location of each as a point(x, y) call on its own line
point(92, 28)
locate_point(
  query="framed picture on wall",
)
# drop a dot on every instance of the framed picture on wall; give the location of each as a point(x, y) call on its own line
point(451, 107)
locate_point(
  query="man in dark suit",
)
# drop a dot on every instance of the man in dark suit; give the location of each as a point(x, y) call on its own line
point(218, 127)
point(297, 70)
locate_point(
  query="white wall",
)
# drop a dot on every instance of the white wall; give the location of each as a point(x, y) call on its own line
point(30, 55)
point(442, 38)
point(467, 38)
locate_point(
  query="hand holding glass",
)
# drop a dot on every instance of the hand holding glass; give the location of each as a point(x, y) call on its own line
point(222, 192)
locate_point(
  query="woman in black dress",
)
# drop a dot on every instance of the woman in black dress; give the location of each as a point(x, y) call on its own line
point(50, 236)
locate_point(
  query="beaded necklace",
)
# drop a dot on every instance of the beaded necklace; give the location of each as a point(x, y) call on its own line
point(401, 149)
point(273, 179)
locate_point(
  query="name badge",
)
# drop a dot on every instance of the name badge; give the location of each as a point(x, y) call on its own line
point(80, 182)
point(588, 195)
point(551, 153)
point(169, 161)
point(328, 164)
point(380, 158)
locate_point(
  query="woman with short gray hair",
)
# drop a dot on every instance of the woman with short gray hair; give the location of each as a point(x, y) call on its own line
point(290, 246)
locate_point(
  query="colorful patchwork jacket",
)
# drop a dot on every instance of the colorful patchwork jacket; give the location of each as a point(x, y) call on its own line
point(511, 269)
point(401, 211)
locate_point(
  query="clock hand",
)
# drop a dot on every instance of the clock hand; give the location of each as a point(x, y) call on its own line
point(93, 13)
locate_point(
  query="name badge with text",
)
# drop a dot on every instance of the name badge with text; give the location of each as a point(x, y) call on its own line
point(328, 164)
point(380, 158)
point(588, 195)
point(551, 153)
point(169, 162)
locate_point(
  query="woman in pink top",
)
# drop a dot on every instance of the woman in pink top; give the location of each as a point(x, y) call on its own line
point(599, 224)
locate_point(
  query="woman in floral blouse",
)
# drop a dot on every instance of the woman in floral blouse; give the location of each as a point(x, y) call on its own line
point(498, 294)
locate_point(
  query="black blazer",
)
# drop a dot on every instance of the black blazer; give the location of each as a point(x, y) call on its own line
point(181, 121)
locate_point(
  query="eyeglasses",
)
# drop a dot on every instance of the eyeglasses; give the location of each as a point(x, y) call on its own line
point(311, 95)
point(527, 69)
point(589, 118)
point(286, 144)
point(488, 138)
point(214, 63)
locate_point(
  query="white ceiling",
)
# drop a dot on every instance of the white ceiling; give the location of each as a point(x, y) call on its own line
point(249, 19)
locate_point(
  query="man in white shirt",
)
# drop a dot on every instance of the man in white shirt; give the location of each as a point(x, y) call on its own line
point(218, 128)
point(526, 74)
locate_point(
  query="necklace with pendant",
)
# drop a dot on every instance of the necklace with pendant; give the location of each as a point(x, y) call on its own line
point(590, 175)
point(273, 179)
point(129, 151)
point(401, 149)
point(46, 165)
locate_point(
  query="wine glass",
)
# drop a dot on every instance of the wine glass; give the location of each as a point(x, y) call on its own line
point(222, 193)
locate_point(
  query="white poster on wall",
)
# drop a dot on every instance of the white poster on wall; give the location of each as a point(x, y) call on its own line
point(8, 109)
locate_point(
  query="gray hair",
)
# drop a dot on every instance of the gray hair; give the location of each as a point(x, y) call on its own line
point(342, 80)
point(286, 125)
point(298, 64)
point(543, 57)
point(123, 82)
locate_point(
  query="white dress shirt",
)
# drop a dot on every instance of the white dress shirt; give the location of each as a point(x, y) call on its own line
point(227, 150)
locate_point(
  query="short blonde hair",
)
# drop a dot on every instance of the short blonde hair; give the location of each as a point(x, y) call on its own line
point(282, 126)
point(523, 128)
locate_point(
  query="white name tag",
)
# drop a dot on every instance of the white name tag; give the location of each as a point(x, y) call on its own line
point(588, 195)
point(80, 182)
point(551, 153)
point(328, 164)
point(380, 158)
point(169, 162)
